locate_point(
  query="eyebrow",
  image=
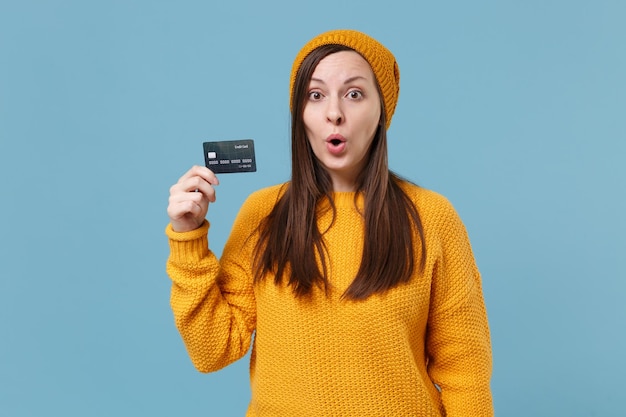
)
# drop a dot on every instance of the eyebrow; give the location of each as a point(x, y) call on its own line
point(348, 81)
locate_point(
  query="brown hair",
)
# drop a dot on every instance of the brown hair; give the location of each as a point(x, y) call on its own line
point(290, 241)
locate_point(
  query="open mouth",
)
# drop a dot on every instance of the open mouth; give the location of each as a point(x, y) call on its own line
point(336, 144)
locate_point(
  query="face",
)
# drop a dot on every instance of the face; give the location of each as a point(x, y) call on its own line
point(341, 115)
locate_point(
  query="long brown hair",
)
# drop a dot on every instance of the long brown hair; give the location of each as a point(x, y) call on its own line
point(290, 241)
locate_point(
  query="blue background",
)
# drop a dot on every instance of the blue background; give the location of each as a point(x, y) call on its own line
point(513, 110)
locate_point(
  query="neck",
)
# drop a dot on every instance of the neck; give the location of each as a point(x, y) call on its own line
point(343, 184)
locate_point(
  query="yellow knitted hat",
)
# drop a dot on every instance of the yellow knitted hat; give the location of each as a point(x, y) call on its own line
point(381, 60)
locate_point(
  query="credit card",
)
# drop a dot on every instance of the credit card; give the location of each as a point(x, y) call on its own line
point(230, 156)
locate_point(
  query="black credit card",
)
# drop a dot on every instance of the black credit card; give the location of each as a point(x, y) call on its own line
point(230, 156)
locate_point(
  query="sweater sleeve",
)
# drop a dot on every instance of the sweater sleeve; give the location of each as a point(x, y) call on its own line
point(458, 339)
point(213, 300)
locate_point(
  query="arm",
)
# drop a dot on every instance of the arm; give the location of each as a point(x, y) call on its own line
point(213, 303)
point(458, 340)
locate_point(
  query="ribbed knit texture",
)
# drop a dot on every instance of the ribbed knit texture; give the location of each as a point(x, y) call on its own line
point(381, 60)
point(324, 356)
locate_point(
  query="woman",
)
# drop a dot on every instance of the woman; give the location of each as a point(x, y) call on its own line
point(360, 287)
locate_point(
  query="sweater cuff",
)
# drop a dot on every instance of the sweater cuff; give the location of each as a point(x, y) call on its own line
point(188, 247)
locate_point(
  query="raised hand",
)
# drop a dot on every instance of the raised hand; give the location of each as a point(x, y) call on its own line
point(190, 197)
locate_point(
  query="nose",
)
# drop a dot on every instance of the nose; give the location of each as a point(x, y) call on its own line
point(334, 113)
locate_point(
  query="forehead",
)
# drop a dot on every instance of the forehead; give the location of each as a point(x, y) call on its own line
point(343, 64)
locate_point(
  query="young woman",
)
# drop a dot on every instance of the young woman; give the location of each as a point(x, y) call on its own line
point(360, 288)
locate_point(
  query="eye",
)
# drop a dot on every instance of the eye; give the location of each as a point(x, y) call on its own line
point(315, 95)
point(355, 94)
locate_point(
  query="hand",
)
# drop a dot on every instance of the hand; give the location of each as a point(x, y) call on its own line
point(190, 197)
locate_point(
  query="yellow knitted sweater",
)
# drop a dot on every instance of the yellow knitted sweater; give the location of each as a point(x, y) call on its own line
point(420, 349)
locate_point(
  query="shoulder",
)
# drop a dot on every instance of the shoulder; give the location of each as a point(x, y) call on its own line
point(428, 202)
point(267, 196)
point(437, 213)
point(261, 202)
point(255, 208)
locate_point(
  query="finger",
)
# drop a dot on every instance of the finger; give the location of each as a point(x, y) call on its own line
point(202, 172)
point(193, 184)
point(202, 197)
point(197, 185)
point(193, 206)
